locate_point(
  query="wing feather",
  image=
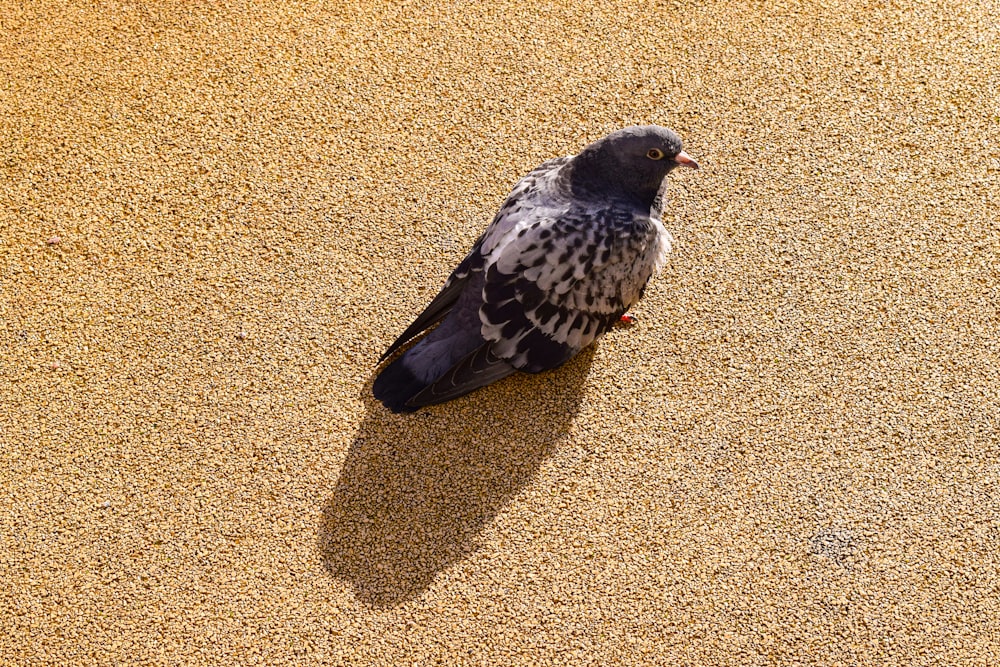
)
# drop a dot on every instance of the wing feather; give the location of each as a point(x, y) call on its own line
point(559, 283)
point(478, 369)
point(516, 211)
point(442, 304)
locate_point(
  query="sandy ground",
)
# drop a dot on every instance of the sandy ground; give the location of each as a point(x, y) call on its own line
point(213, 219)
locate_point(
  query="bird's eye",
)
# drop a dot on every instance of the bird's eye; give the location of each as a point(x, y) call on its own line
point(655, 154)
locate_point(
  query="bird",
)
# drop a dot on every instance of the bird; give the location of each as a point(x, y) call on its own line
point(569, 252)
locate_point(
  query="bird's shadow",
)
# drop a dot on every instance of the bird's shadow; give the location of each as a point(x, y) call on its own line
point(416, 490)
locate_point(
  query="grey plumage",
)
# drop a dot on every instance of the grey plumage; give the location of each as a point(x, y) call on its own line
point(570, 250)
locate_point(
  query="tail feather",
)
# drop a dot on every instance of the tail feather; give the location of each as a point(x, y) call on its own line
point(480, 368)
point(402, 391)
point(396, 385)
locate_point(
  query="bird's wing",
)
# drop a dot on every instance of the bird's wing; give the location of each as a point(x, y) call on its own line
point(478, 369)
point(443, 302)
point(535, 189)
point(515, 210)
point(557, 284)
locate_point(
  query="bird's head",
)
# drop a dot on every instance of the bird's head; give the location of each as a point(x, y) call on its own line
point(631, 162)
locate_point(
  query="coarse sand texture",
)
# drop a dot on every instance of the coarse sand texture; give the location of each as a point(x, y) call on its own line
point(215, 216)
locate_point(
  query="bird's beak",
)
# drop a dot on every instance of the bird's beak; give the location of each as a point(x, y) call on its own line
point(686, 160)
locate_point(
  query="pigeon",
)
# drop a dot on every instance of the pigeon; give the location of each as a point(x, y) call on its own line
point(569, 252)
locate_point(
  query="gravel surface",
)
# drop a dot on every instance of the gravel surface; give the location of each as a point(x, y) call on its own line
point(215, 216)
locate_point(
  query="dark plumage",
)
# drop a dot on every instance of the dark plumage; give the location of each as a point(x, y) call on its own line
point(570, 251)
